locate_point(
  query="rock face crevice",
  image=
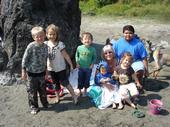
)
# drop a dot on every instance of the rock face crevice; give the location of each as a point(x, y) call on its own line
point(17, 17)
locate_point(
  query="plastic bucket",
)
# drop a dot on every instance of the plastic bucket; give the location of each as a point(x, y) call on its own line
point(155, 106)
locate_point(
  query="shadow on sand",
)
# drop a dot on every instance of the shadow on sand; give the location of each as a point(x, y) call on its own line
point(155, 85)
point(66, 104)
point(152, 85)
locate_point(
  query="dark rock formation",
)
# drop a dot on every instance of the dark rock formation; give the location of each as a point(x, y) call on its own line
point(19, 16)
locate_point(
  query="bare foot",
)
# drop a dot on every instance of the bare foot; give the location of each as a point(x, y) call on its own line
point(75, 99)
point(120, 107)
point(57, 99)
point(133, 105)
point(79, 93)
point(139, 86)
point(114, 106)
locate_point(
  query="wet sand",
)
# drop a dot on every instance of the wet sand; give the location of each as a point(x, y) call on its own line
point(14, 111)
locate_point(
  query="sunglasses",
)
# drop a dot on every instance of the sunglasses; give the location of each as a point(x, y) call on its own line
point(109, 52)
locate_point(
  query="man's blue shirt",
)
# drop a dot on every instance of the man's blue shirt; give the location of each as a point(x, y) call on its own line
point(135, 47)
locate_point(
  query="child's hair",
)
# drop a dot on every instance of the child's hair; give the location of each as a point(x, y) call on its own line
point(55, 29)
point(126, 54)
point(107, 48)
point(36, 30)
point(87, 33)
point(129, 28)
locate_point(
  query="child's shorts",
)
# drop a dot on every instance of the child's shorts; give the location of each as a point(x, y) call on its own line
point(137, 65)
point(59, 78)
point(84, 75)
point(128, 90)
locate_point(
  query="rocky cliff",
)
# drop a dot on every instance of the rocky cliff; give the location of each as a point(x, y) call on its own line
point(19, 16)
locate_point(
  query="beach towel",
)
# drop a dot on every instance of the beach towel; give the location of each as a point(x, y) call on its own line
point(95, 93)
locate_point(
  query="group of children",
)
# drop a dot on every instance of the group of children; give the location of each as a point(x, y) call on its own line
point(43, 58)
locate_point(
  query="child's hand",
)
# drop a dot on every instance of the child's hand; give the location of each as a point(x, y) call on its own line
point(139, 86)
point(146, 73)
point(109, 86)
point(71, 68)
point(46, 76)
point(107, 79)
point(102, 80)
point(115, 77)
point(77, 65)
point(91, 66)
point(24, 76)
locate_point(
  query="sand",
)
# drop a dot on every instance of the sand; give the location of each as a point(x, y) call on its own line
point(14, 110)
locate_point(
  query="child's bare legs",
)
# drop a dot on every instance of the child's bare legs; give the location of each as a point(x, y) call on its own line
point(130, 103)
point(126, 98)
point(79, 92)
point(119, 101)
point(139, 76)
point(134, 99)
point(85, 92)
point(74, 96)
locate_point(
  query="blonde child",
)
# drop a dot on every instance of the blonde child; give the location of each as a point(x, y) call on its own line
point(124, 73)
point(85, 59)
point(34, 69)
point(56, 62)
